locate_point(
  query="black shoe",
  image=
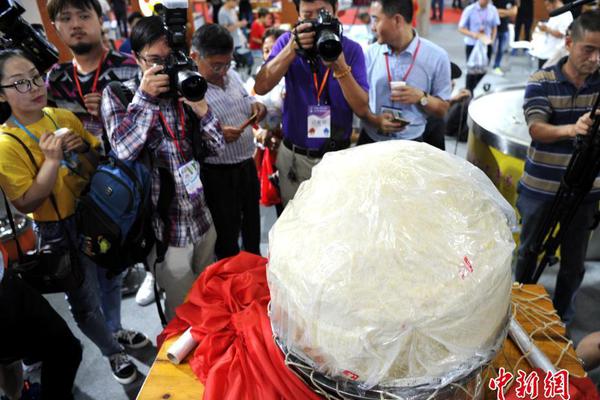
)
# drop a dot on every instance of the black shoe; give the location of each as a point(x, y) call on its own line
point(122, 368)
point(131, 339)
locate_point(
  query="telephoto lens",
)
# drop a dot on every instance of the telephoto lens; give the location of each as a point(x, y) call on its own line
point(191, 85)
point(329, 45)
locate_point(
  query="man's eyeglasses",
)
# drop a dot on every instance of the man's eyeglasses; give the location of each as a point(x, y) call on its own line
point(218, 68)
point(155, 60)
point(25, 85)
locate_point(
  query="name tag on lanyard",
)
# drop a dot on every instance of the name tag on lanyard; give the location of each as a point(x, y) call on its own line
point(319, 116)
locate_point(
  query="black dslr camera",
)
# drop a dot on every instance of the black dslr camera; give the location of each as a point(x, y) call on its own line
point(19, 34)
point(328, 38)
point(183, 74)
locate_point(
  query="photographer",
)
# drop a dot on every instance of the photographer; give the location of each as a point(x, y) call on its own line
point(230, 179)
point(329, 92)
point(409, 76)
point(163, 127)
point(77, 85)
point(557, 106)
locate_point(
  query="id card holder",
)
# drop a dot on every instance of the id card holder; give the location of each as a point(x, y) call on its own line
point(190, 174)
point(319, 122)
point(396, 112)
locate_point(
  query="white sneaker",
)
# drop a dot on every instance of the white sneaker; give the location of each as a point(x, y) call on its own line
point(145, 294)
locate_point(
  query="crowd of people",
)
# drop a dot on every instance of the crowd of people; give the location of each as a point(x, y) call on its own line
point(202, 152)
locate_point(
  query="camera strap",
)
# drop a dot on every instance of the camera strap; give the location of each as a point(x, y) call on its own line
point(171, 132)
point(96, 76)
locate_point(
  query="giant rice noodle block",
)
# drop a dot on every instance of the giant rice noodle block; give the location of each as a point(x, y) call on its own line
point(392, 264)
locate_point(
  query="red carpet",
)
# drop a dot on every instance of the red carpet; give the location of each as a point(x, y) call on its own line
point(451, 16)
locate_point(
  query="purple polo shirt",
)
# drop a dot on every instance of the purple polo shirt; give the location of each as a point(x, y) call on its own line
point(300, 93)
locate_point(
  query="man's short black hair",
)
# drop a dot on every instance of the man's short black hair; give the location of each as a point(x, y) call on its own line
point(147, 31)
point(587, 22)
point(333, 3)
point(54, 7)
point(212, 39)
point(133, 16)
point(262, 12)
point(402, 7)
point(273, 32)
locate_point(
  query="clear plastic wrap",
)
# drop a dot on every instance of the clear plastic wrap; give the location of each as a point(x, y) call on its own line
point(391, 267)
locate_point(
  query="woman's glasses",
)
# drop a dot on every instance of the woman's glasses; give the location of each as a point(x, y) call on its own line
point(25, 85)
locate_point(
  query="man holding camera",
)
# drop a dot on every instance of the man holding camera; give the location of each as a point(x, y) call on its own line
point(77, 85)
point(557, 106)
point(164, 127)
point(230, 179)
point(409, 76)
point(321, 96)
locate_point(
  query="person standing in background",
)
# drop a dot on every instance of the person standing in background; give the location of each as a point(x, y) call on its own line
point(524, 19)
point(478, 22)
point(553, 33)
point(506, 10)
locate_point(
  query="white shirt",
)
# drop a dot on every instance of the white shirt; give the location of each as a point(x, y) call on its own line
point(544, 45)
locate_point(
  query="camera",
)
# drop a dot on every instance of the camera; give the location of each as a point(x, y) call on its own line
point(328, 38)
point(19, 34)
point(184, 79)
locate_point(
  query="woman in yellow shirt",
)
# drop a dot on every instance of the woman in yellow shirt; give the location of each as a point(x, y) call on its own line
point(64, 164)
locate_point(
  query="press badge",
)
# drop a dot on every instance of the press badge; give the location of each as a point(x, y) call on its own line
point(190, 174)
point(319, 122)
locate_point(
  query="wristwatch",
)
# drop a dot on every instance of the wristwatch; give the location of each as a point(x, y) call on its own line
point(423, 101)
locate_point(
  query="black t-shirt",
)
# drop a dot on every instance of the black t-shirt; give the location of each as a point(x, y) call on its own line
point(503, 4)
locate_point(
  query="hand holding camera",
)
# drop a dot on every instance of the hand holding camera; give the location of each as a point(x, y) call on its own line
point(325, 40)
point(303, 36)
point(154, 82)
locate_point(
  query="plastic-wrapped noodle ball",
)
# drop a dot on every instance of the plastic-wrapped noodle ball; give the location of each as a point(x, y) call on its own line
point(392, 264)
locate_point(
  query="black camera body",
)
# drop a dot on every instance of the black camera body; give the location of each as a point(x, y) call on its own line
point(184, 78)
point(19, 34)
point(328, 38)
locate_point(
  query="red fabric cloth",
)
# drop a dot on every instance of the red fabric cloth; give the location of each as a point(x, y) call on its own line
point(236, 357)
point(257, 31)
point(579, 389)
point(269, 195)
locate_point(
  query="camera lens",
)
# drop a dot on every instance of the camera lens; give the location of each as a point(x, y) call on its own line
point(191, 85)
point(329, 45)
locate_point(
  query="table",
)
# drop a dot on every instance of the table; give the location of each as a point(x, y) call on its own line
point(178, 382)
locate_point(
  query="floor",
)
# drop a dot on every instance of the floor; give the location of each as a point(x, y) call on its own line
point(94, 380)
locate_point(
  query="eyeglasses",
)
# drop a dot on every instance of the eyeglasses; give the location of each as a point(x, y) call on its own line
point(218, 68)
point(155, 60)
point(25, 85)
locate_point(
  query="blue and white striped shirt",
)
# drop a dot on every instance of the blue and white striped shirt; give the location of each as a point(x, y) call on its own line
point(232, 107)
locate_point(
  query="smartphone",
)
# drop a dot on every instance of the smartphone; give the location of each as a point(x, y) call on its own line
point(402, 121)
point(396, 115)
point(249, 121)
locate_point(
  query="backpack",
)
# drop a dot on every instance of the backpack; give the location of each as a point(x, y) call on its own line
point(115, 214)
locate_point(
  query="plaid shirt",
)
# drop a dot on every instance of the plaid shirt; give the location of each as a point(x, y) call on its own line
point(62, 90)
point(137, 126)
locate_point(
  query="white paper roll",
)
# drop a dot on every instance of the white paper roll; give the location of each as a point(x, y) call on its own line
point(534, 355)
point(182, 347)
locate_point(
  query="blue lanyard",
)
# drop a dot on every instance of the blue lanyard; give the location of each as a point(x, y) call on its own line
point(73, 157)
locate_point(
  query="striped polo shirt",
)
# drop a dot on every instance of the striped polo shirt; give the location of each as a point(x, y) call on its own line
point(550, 97)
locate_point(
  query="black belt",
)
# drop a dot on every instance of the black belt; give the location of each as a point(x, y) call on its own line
point(330, 145)
point(227, 166)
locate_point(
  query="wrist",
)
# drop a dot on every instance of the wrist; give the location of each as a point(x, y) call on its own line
point(52, 162)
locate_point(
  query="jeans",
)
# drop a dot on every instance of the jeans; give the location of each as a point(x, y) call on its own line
point(30, 328)
point(572, 249)
point(500, 44)
point(439, 8)
point(96, 305)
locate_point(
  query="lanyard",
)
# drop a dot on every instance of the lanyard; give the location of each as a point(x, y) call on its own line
point(410, 67)
point(94, 82)
point(482, 18)
point(180, 113)
point(35, 138)
point(320, 90)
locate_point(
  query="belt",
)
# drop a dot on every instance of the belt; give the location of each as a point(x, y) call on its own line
point(330, 145)
point(227, 166)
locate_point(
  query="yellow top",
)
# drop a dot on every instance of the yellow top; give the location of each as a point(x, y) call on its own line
point(17, 172)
